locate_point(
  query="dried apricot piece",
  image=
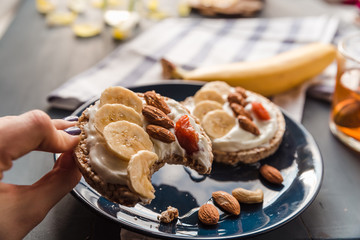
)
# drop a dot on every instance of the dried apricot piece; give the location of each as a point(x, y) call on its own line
point(260, 111)
point(186, 135)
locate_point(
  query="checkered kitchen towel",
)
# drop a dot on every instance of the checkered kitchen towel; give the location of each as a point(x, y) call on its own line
point(195, 42)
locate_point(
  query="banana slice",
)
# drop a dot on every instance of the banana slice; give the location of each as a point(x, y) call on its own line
point(125, 139)
point(221, 87)
point(218, 3)
point(204, 107)
point(218, 123)
point(139, 173)
point(121, 95)
point(208, 94)
point(115, 112)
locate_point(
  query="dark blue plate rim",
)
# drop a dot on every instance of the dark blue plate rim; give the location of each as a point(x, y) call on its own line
point(136, 228)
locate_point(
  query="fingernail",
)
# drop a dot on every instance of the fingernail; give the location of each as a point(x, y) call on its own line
point(71, 118)
point(73, 130)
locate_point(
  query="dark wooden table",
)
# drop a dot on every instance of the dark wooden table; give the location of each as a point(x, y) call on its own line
point(35, 59)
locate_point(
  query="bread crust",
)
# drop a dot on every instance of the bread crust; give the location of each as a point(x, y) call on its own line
point(118, 193)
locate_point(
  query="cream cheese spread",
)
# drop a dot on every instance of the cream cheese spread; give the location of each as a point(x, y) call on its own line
point(106, 164)
point(114, 170)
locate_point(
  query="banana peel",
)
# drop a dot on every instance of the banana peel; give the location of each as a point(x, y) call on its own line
point(268, 77)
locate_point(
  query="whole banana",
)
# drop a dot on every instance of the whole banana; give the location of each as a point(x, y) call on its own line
point(268, 76)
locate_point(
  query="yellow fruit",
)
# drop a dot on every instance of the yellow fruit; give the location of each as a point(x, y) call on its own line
point(44, 6)
point(221, 87)
point(86, 29)
point(268, 76)
point(139, 173)
point(183, 9)
point(218, 123)
point(203, 107)
point(208, 94)
point(60, 18)
point(115, 112)
point(121, 95)
point(125, 139)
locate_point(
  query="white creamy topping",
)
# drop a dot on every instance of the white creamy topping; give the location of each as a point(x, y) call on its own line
point(114, 170)
point(107, 165)
point(237, 138)
point(204, 153)
point(164, 150)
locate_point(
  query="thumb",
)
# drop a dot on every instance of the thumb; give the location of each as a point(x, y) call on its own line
point(58, 182)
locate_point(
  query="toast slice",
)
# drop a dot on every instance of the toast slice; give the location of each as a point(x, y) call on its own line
point(230, 116)
point(122, 174)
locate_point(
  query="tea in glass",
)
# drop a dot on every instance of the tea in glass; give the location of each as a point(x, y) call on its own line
point(345, 114)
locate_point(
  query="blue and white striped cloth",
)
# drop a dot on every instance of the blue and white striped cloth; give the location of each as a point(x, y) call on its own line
point(195, 42)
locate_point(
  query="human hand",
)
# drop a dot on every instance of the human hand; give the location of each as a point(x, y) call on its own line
point(23, 207)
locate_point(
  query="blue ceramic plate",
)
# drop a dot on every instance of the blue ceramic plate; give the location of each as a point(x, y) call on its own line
point(298, 159)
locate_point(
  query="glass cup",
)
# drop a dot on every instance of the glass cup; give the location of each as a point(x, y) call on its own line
point(345, 111)
point(89, 21)
point(58, 13)
point(123, 16)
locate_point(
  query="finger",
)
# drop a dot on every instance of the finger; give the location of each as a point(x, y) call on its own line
point(58, 141)
point(33, 130)
point(57, 183)
point(54, 139)
point(62, 124)
point(4, 165)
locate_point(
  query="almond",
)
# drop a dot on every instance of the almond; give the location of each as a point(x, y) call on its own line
point(208, 214)
point(271, 174)
point(160, 133)
point(248, 125)
point(240, 110)
point(157, 101)
point(169, 215)
point(155, 116)
point(226, 202)
point(241, 91)
point(236, 98)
